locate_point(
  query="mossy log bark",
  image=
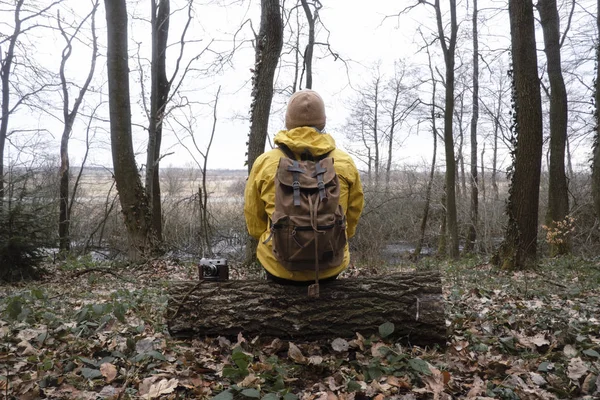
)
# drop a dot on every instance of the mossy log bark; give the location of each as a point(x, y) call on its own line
point(412, 301)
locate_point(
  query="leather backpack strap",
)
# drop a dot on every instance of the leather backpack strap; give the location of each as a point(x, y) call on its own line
point(286, 150)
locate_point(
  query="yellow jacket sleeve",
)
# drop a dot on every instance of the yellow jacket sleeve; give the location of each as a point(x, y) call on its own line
point(254, 206)
point(355, 201)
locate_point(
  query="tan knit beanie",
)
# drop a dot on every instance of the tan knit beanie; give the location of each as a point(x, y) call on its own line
point(305, 108)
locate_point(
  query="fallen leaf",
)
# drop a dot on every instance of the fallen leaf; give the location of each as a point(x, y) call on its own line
point(108, 371)
point(588, 383)
point(340, 345)
point(162, 387)
point(537, 379)
point(315, 360)
point(375, 349)
point(251, 381)
point(144, 345)
point(144, 387)
point(399, 383)
point(577, 368)
point(477, 389)
point(295, 354)
point(570, 351)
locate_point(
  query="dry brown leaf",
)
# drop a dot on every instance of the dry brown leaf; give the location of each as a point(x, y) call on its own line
point(379, 397)
point(570, 351)
point(477, 389)
point(331, 396)
point(402, 383)
point(537, 379)
point(339, 345)
point(162, 387)
point(375, 349)
point(108, 371)
point(315, 360)
point(588, 383)
point(577, 369)
point(295, 354)
point(251, 381)
point(144, 387)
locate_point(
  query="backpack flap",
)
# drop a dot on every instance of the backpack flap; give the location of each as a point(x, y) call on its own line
point(307, 178)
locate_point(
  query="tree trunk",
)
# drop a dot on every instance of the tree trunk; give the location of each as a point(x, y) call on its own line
point(495, 189)
point(449, 50)
point(388, 168)
point(268, 49)
point(434, 132)
point(558, 196)
point(376, 129)
point(64, 222)
point(519, 249)
point(134, 202)
point(159, 93)
point(308, 52)
point(472, 234)
point(427, 204)
point(596, 155)
point(413, 302)
point(6, 61)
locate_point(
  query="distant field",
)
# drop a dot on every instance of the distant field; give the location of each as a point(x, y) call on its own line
point(175, 183)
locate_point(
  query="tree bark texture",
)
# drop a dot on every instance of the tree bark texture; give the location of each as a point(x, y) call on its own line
point(412, 301)
point(268, 49)
point(472, 235)
point(159, 93)
point(134, 202)
point(6, 61)
point(449, 49)
point(64, 221)
point(596, 155)
point(308, 52)
point(558, 195)
point(519, 249)
point(434, 132)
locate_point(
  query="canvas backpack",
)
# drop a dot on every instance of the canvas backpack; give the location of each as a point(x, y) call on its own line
point(308, 226)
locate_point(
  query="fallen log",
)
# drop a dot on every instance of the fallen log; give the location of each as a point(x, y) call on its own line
point(412, 301)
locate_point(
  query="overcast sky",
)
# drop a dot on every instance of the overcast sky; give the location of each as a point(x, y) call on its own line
point(360, 33)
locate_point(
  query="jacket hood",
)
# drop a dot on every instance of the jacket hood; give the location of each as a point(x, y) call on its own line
point(306, 138)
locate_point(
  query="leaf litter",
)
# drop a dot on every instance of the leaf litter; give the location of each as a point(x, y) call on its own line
point(533, 335)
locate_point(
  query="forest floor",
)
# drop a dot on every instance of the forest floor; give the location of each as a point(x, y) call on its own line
point(92, 331)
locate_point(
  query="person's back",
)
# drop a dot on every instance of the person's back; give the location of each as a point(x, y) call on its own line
point(305, 120)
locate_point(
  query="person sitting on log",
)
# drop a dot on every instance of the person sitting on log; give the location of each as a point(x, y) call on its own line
point(303, 199)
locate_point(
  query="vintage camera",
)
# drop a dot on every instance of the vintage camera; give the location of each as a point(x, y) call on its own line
point(214, 269)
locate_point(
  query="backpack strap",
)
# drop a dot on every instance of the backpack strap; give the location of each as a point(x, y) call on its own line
point(296, 170)
point(287, 151)
point(319, 172)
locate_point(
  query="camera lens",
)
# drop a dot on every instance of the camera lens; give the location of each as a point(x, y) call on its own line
point(211, 270)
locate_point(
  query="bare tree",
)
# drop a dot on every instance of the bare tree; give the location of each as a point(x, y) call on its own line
point(268, 44)
point(474, 210)
point(364, 127)
point(519, 248)
point(308, 52)
point(558, 197)
point(7, 64)
point(134, 202)
point(69, 116)
point(398, 108)
point(448, 45)
point(596, 146)
point(434, 132)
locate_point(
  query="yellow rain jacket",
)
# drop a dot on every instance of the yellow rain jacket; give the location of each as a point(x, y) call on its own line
point(260, 196)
